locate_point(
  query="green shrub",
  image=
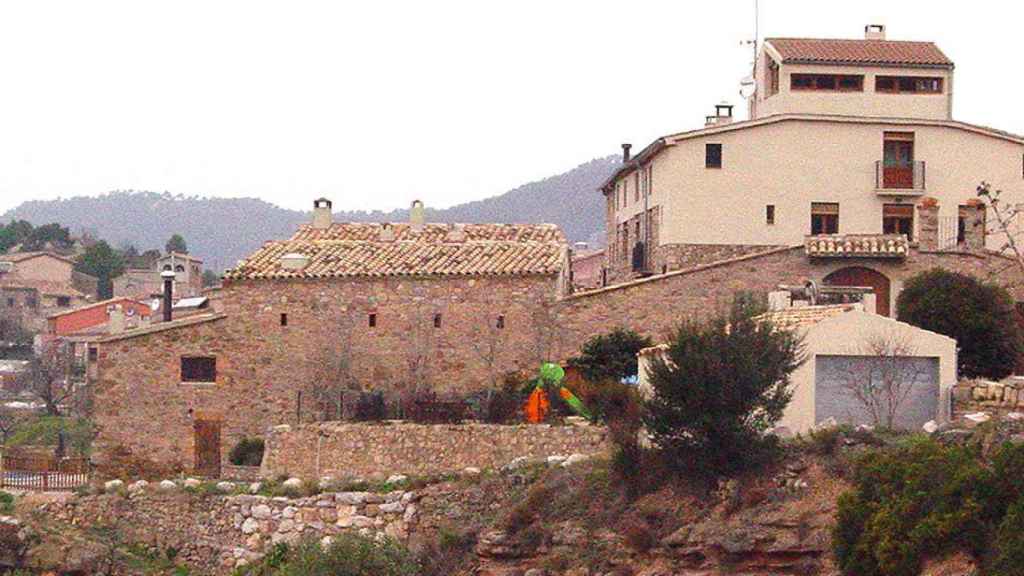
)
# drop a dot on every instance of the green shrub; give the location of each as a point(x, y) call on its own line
point(248, 452)
point(44, 431)
point(921, 500)
point(6, 502)
point(348, 555)
point(610, 356)
point(979, 316)
point(723, 384)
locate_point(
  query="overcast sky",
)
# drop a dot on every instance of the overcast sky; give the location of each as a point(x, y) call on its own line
point(376, 103)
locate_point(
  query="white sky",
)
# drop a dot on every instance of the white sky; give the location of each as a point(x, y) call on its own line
point(376, 103)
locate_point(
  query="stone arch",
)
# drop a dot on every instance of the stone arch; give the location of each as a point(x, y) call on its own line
point(861, 276)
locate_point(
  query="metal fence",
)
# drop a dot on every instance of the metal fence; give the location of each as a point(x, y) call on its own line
point(43, 472)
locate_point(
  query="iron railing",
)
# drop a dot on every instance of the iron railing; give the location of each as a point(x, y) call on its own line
point(43, 472)
point(909, 176)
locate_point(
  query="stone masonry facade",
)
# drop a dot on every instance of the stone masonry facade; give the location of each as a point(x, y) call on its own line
point(367, 451)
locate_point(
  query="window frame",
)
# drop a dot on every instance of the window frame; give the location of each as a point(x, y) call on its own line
point(892, 217)
point(710, 157)
point(193, 375)
point(825, 218)
point(898, 88)
point(769, 214)
point(816, 82)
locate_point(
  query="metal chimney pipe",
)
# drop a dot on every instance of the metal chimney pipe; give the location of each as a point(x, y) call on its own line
point(625, 152)
point(168, 276)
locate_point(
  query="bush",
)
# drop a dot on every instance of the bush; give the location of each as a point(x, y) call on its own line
point(610, 356)
point(922, 500)
point(6, 503)
point(979, 316)
point(44, 431)
point(348, 555)
point(723, 383)
point(502, 406)
point(370, 407)
point(248, 452)
point(605, 399)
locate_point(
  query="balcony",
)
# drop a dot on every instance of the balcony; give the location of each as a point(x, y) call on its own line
point(856, 246)
point(900, 179)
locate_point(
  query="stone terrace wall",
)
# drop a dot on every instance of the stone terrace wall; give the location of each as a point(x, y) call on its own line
point(984, 396)
point(378, 450)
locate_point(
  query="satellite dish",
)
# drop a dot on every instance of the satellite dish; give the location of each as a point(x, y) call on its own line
point(747, 87)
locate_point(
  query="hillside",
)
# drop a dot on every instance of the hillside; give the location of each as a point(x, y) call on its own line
point(224, 230)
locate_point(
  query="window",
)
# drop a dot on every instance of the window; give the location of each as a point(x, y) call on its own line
point(63, 301)
point(10, 302)
point(769, 214)
point(898, 219)
point(284, 319)
point(372, 320)
point(437, 320)
point(827, 82)
point(908, 85)
point(94, 354)
point(713, 155)
point(179, 268)
point(31, 301)
point(824, 218)
point(198, 369)
point(500, 323)
point(625, 192)
point(636, 186)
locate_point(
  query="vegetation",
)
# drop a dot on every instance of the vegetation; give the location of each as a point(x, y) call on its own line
point(248, 452)
point(30, 238)
point(922, 499)
point(723, 383)
point(210, 278)
point(176, 243)
point(610, 356)
point(347, 555)
point(46, 431)
point(104, 263)
point(978, 315)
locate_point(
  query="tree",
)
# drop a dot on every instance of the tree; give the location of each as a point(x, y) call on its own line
point(48, 236)
point(48, 377)
point(210, 278)
point(722, 384)
point(881, 379)
point(979, 316)
point(1005, 221)
point(176, 243)
point(103, 262)
point(611, 356)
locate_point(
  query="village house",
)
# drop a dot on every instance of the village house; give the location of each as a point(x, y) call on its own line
point(34, 285)
point(374, 306)
point(146, 284)
point(851, 157)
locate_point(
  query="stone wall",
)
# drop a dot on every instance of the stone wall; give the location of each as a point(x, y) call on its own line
point(362, 450)
point(985, 396)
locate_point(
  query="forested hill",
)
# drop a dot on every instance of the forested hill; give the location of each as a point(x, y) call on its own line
point(223, 230)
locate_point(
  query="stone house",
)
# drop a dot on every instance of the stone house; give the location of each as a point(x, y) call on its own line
point(146, 284)
point(379, 306)
point(850, 153)
point(34, 285)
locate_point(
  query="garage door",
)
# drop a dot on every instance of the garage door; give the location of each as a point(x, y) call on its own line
point(836, 376)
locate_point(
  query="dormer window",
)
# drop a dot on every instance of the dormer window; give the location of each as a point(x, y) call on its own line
point(827, 82)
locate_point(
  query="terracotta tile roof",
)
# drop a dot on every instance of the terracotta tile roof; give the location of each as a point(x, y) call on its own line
point(857, 246)
point(164, 326)
point(799, 317)
point(22, 256)
point(862, 52)
point(399, 249)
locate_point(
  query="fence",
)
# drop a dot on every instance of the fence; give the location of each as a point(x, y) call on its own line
point(43, 472)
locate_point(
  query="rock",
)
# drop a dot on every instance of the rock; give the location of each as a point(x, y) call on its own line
point(1015, 416)
point(865, 428)
point(497, 544)
point(392, 507)
point(517, 463)
point(168, 485)
point(137, 486)
point(352, 498)
point(678, 538)
point(289, 512)
point(780, 431)
point(931, 427)
point(576, 421)
point(113, 486)
point(555, 460)
point(261, 511)
point(286, 525)
point(225, 487)
point(255, 487)
point(976, 418)
point(397, 479)
point(293, 483)
point(471, 471)
point(326, 542)
point(410, 514)
point(192, 483)
point(574, 459)
point(827, 424)
point(250, 526)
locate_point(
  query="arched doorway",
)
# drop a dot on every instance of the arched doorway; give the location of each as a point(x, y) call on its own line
point(859, 276)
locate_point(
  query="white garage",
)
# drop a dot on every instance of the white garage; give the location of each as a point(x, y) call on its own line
point(861, 368)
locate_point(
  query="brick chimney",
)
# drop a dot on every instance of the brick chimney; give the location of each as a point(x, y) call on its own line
point(723, 115)
point(928, 224)
point(625, 152)
point(874, 32)
point(322, 213)
point(417, 215)
point(115, 320)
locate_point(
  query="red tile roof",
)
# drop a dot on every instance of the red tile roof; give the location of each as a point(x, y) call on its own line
point(864, 52)
point(44, 287)
point(400, 249)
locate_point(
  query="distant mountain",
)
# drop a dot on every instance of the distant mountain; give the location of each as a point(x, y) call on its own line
point(221, 231)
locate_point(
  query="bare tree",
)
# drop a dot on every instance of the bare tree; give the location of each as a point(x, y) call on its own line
point(333, 369)
point(489, 342)
point(883, 383)
point(1006, 218)
point(49, 378)
point(11, 419)
point(547, 332)
point(421, 343)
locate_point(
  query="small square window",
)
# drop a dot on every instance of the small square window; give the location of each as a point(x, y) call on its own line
point(63, 301)
point(372, 320)
point(10, 302)
point(198, 369)
point(284, 319)
point(500, 322)
point(769, 214)
point(94, 354)
point(824, 218)
point(437, 320)
point(713, 155)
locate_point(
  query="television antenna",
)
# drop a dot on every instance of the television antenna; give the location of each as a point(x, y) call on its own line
point(749, 85)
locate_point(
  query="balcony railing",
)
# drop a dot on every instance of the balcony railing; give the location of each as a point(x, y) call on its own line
point(900, 178)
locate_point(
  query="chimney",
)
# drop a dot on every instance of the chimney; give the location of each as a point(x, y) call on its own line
point(168, 277)
point(928, 224)
point(321, 213)
point(115, 320)
point(625, 152)
point(387, 233)
point(723, 115)
point(874, 32)
point(416, 215)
